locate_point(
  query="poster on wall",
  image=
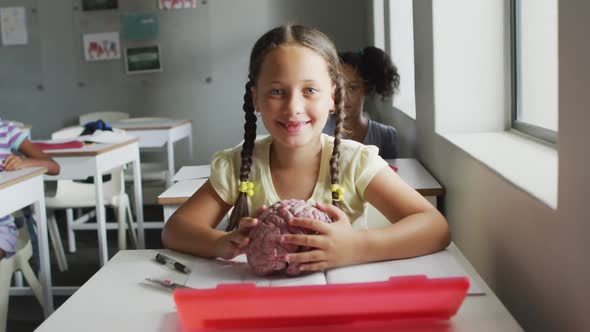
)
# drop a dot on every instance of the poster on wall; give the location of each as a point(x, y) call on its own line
point(177, 4)
point(143, 59)
point(88, 5)
point(13, 23)
point(102, 46)
point(139, 26)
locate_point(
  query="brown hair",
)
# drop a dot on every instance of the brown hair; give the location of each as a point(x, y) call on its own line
point(322, 45)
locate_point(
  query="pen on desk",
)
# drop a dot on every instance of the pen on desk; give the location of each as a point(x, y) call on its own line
point(162, 259)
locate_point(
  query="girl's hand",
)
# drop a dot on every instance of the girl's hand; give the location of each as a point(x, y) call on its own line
point(13, 163)
point(336, 244)
point(235, 242)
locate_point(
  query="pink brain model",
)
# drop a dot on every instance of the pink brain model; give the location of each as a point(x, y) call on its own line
point(265, 238)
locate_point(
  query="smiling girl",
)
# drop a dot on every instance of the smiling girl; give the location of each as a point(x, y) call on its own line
point(294, 83)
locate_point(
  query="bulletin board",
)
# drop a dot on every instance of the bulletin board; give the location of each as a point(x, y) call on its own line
point(21, 61)
point(181, 36)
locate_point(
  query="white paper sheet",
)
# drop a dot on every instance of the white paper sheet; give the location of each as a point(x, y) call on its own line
point(208, 273)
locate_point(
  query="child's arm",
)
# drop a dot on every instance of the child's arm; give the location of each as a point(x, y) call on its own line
point(417, 229)
point(32, 157)
point(191, 229)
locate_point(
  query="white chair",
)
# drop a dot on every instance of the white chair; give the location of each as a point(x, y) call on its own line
point(71, 195)
point(106, 116)
point(18, 262)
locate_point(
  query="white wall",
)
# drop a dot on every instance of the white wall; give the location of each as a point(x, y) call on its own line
point(534, 257)
point(215, 108)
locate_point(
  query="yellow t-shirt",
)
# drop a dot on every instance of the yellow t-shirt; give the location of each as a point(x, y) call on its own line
point(358, 164)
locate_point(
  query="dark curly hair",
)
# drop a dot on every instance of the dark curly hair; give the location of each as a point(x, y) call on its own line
point(376, 69)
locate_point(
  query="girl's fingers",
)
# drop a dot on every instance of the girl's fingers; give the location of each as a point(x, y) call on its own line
point(305, 257)
point(314, 241)
point(316, 266)
point(262, 209)
point(311, 224)
point(247, 223)
point(240, 240)
point(332, 211)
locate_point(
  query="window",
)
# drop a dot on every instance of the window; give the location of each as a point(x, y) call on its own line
point(534, 68)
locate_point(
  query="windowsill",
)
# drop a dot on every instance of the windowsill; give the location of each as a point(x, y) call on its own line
point(527, 164)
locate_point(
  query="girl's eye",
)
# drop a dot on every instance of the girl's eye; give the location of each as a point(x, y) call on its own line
point(310, 91)
point(276, 92)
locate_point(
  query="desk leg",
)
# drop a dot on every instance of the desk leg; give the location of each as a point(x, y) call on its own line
point(138, 202)
point(170, 150)
point(101, 219)
point(42, 239)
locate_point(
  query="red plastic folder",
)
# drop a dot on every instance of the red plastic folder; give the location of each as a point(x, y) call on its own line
point(233, 306)
point(45, 146)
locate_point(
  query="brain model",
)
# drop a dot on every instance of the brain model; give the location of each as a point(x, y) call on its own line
point(265, 238)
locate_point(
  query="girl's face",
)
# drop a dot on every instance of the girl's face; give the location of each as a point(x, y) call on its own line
point(355, 91)
point(294, 94)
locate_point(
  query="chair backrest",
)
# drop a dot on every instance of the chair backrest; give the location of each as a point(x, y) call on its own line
point(106, 116)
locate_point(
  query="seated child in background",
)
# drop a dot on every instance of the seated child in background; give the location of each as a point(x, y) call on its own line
point(367, 72)
point(17, 152)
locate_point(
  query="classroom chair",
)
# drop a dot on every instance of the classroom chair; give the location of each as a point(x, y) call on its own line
point(106, 116)
point(17, 262)
point(71, 195)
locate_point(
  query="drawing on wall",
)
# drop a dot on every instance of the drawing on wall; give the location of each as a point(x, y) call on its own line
point(139, 26)
point(177, 4)
point(99, 4)
point(13, 23)
point(102, 46)
point(144, 59)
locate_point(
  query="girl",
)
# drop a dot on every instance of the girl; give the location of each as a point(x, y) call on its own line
point(17, 152)
point(367, 72)
point(294, 82)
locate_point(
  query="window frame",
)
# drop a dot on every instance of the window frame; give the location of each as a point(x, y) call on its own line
point(541, 133)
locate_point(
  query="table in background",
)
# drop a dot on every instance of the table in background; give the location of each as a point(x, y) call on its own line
point(190, 179)
point(157, 132)
point(17, 190)
point(128, 303)
point(95, 160)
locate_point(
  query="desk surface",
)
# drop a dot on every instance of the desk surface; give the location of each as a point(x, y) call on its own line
point(94, 149)
point(149, 123)
point(180, 192)
point(190, 179)
point(117, 298)
point(9, 178)
point(414, 174)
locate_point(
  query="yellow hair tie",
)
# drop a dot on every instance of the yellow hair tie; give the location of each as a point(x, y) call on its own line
point(247, 187)
point(336, 188)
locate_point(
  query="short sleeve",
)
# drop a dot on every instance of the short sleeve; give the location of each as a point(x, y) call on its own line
point(369, 164)
point(16, 137)
point(224, 176)
point(389, 143)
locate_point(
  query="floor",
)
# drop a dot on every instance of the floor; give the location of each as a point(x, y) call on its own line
point(25, 313)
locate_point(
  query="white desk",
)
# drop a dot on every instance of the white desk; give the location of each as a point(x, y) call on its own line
point(192, 172)
point(95, 160)
point(175, 196)
point(157, 132)
point(127, 303)
point(17, 190)
point(410, 170)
